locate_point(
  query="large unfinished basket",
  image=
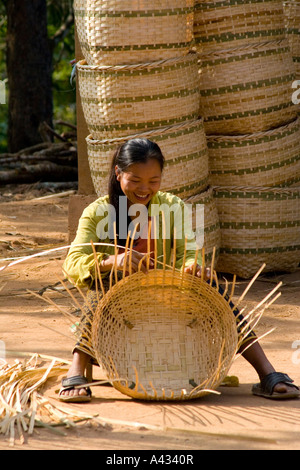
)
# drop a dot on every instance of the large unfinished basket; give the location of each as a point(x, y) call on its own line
point(219, 25)
point(258, 225)
point(292, 24)
point(269, 158)
point(164, 336)
point(183, 146)
point(209, 231)
point(120, 100)
point(247, 90)
point(113, 32)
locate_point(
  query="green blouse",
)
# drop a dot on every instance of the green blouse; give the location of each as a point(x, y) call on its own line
point(170, 219)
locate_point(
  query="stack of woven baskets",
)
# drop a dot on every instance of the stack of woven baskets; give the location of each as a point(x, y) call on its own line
point(140, 78)
point(253, 132)
point(292, 22)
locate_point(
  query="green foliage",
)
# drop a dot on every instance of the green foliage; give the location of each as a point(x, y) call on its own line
point(64, 95)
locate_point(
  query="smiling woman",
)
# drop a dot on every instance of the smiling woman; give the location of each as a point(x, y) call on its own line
point(135, 176)
point(136, 171)
point(134, 183)
point(141, 182)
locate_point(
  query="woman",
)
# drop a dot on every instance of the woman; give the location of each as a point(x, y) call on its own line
point(134, 183)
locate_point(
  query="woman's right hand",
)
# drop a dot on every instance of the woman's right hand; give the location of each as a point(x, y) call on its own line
point(124, 262)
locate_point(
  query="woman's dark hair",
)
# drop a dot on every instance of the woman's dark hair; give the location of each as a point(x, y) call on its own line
point(132, 151)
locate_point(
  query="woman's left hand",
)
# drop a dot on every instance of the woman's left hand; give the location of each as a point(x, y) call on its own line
point(198, 271)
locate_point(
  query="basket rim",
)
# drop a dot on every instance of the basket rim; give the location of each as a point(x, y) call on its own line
point(207, 193)
point(255, 189)
point(243, 49)
point(136, 13)
point(149, 133)
point(84, 66)
point(255, 135)
point(219, 3)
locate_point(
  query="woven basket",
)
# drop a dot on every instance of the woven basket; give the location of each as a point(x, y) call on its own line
point(164, 336)
point(120, 100)
point(212, 233)
point(270, 158)
point(118, 32)
point(184, 148)
point(258, 225)
point(292, 23)
point(247, 90)
point(219, 25)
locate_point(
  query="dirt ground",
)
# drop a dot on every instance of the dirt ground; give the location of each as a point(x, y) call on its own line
point(232, 420)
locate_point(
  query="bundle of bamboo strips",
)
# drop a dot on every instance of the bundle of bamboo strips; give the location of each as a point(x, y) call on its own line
point(22, 405)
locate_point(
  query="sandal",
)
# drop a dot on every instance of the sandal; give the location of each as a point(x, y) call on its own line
point(69, 383)
point(266, 386)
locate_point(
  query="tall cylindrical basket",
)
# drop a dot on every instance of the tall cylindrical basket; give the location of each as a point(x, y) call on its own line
point(220, 25)
point(292, 24)
point(121, 100)
point(258, 225)
point(247, 90)
point(268, 158)
point(114, 32)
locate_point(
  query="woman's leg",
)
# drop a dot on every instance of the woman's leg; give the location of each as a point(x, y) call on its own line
point(255, 355)
point(251, 350)
point(82, 353)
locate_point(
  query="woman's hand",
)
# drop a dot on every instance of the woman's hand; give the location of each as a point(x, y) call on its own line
point(198, 271)
point(138, 262)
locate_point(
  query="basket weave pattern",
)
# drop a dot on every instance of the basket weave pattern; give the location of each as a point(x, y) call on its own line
point(270, 158)
point(258, 225)
point(292, 24)
point(121, 100)
point(219, 25)
point(141, 79)
point(247, 90)
point(114, 32)
point(159, 345)
point(247, 72)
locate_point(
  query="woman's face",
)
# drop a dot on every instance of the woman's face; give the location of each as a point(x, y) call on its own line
point(140, 182)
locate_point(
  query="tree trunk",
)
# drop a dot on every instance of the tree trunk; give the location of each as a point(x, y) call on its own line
point(29, 70)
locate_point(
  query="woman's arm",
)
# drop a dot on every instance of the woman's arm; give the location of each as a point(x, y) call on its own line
point(80, 261)
point(79, 264)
